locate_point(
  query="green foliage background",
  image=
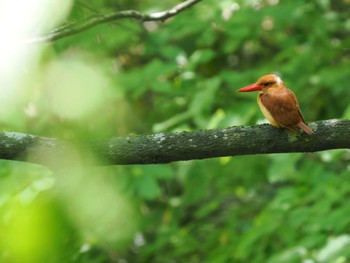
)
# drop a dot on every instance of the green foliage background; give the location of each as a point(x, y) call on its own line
point(182, 75)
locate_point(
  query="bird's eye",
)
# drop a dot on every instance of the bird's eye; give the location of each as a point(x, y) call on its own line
point(267, 84)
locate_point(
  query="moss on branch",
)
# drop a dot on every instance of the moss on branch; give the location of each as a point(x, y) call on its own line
point(171, 147)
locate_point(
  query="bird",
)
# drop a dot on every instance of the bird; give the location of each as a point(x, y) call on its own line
point(278, 103)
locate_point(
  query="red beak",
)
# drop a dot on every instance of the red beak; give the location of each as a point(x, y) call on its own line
point(252, 87)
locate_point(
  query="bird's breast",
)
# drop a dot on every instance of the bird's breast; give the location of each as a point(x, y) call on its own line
point(266, 113)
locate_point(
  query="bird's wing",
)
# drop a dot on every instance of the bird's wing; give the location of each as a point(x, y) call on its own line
point(283, 107)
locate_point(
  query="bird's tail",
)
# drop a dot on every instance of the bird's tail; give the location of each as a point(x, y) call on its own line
point(305, 128)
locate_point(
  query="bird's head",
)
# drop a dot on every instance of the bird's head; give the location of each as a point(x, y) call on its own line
point(266, 82)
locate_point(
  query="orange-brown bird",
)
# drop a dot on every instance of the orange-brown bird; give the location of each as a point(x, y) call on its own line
point(278, 103)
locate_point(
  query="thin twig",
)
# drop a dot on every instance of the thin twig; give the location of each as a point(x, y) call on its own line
point(97, 19)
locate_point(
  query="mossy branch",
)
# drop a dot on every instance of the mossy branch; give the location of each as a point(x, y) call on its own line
point(172, 147)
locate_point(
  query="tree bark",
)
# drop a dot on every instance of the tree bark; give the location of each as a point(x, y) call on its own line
point(171, 147)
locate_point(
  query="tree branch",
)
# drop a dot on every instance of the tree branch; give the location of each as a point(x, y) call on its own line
point(171, 147)
point(97, 19)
